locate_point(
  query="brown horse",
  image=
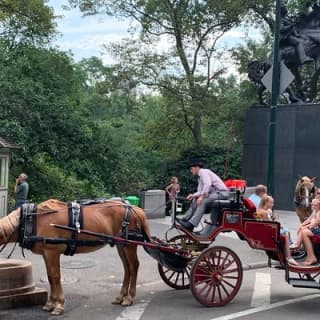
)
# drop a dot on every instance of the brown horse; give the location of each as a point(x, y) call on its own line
point(304, 193)
point(103, 218)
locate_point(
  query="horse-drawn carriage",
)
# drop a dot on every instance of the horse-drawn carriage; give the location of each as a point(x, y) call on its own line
point(187, 259)
point(214, 273)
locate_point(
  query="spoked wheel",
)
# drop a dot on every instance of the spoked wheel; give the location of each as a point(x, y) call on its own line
point(216, 276)
point(179, 280)
point(315, 276)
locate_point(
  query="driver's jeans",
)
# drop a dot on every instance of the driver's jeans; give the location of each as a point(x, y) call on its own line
point(195, 213)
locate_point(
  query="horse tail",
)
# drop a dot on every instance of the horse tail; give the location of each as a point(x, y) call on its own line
point(145, 228)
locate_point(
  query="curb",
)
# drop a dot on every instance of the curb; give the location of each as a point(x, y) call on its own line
point(255, 265)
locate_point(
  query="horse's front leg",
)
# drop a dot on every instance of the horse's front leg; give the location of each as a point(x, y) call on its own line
point(126, 278)
point(55, 303)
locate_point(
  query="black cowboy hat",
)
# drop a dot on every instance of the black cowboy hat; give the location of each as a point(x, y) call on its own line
point(196, 163)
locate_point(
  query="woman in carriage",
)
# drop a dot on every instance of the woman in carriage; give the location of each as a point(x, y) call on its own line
point(265, 212)
point(308, 229)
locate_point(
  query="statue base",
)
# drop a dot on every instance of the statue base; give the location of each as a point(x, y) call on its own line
point(296, 150)
point(17, 288)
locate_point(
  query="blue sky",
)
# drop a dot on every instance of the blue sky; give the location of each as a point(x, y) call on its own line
point(86, 36)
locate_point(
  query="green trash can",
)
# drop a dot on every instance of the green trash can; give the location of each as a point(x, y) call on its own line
point(133, 200)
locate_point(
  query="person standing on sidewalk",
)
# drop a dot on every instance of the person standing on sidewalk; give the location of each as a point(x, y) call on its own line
point(21, 189)
point(173, 188)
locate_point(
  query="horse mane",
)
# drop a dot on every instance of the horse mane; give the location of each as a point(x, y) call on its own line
point(50, 206)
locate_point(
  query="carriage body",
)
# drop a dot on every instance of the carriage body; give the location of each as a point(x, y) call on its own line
point(214, 273)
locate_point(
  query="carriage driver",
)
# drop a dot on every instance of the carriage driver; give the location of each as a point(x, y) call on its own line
point(210, 188)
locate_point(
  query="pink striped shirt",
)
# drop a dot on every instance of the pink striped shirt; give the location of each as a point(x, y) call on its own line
point(209, 182)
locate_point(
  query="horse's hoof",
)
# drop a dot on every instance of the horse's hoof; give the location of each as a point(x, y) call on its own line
point(48, 307)
point(117, 300)
point(127, 302)
point(57, 311)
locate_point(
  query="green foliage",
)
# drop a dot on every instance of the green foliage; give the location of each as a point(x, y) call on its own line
point(89, 130)
point(26, 22)
point(224, 162)
point(184, 74)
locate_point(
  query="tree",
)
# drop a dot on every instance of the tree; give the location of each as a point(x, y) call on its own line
point(26, 22)
point(191, 29)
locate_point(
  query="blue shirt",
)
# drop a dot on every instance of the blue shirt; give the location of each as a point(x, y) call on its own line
point(255, 199)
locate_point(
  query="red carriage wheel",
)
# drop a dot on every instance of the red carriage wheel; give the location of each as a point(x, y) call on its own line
point(178, 280)
point(216, 276)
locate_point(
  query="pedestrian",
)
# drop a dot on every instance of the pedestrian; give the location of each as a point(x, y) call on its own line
point(210, 188)
point(173, 188)
point(21, 189)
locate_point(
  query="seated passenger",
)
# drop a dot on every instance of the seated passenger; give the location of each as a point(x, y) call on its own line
point(210, 188)
point(259, 192)
point(265, 212)
point(310, 229)
point(305, 224)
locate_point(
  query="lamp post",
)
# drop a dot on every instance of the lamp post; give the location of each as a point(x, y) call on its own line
point(274, 99)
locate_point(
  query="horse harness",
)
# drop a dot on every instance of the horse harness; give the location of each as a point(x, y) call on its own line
point(28, 228)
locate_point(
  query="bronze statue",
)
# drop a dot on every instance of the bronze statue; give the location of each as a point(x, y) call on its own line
point(290, 36)
point(299, 46)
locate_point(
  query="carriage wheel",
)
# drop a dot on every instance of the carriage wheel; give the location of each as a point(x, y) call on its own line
point(216, 276)
point(315, 276)
point(178, 280)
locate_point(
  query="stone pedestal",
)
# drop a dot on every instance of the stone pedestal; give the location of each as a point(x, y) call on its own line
point(297, 148)
point(154, 203)
point(17, 288)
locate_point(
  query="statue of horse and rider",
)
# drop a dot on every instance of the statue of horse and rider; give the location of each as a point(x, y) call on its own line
point(299, 46)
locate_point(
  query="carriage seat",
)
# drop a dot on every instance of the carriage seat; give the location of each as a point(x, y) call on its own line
point(218, 207)
point(315, 239)
point(251, 209)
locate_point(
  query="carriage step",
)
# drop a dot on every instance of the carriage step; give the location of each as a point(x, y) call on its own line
point(301, 283)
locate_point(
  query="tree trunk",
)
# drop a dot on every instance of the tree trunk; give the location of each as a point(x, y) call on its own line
point(196, 131)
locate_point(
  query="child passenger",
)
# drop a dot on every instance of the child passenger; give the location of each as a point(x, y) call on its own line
point(265, 212)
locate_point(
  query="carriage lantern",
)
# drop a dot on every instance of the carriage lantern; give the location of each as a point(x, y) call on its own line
point(236, 187)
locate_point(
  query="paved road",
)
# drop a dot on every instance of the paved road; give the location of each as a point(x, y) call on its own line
point(91, 282)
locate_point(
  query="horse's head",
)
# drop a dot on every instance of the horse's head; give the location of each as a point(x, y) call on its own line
point(305, 191)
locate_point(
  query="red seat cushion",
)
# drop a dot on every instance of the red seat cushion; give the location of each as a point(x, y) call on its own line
point(249, 205)
point(315, 239)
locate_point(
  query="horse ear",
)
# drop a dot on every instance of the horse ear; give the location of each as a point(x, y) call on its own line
point(314, 179)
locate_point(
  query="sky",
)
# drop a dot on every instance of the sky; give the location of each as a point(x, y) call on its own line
point(86, 36)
